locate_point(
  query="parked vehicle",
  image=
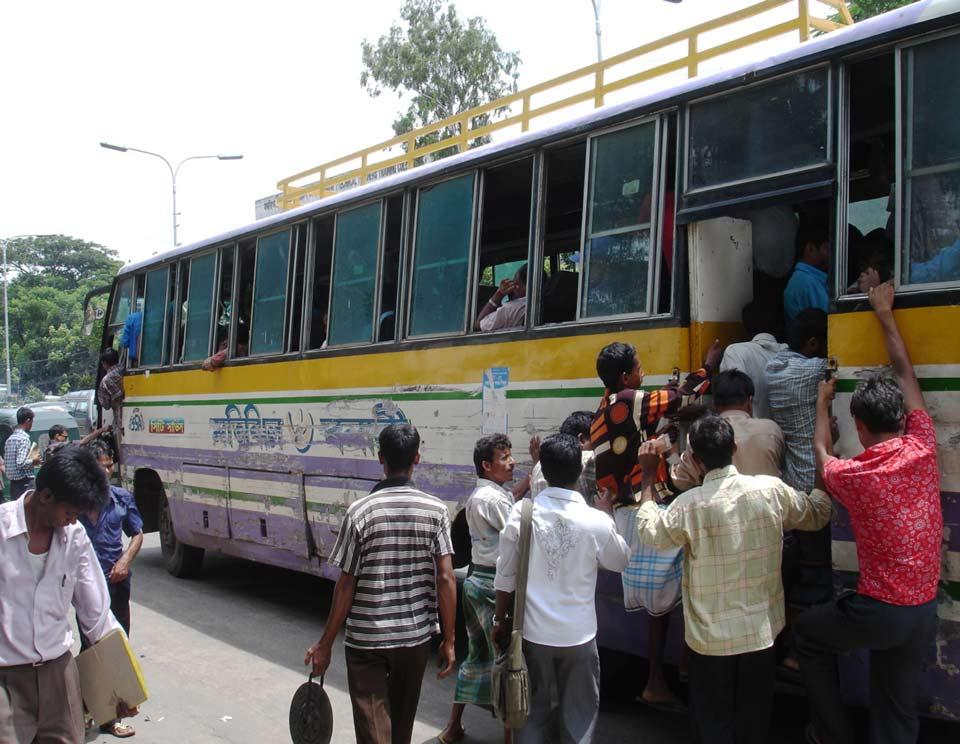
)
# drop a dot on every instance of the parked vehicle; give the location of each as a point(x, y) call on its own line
point(46, 414)
point(82, 406)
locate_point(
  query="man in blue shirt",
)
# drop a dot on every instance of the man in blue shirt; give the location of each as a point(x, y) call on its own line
point(808, 284)
point(120, 516)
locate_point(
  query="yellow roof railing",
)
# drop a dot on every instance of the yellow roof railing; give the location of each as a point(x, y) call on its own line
point(406, 151)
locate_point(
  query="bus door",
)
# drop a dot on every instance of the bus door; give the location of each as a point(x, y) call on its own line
point(205, 499)
point(266, 507)
point(721, 281)
point(327, 499)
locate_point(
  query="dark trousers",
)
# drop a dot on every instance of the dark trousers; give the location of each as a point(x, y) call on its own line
point(385, 691)
point(574, 671)
point(731, 697)
point(899, 639)
point(41, 705)
point(119, 606)
point(20, 487)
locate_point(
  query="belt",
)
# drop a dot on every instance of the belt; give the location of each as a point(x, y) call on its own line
point(34, 664)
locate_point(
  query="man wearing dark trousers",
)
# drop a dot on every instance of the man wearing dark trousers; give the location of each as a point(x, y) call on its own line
point(396, 561)
point(892, 494)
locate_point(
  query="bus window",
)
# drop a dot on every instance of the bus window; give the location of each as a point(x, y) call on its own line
point(931, 163)
point(322, 263)
point(246, 263)
point(354, 275)
point(562, 218)
point(296, 288)
point(441, 256)
point(504, 244)
point(270, 293)
point(224, 305)
point(617, 246)
point(390, 272)
point(121, 302)
point(667, 227)
point(762, 130)
point(171, 335)
point(154, 314)
point(198, 308)
point(871, 167)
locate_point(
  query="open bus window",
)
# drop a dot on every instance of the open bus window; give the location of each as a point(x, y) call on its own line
point(247, 262)
point(504, 244)
point(121, 302)
point(390, 273)
point(270, 293)
point(322, 263)
point(198, 308)
point(441, 256)
point(296, 288)
point(224, 309)
point(617, 245)
point(563, 213)
point(872, 172)
point(931, 163)
point(354, 275)
point(154, 314)
point(761, 130)
point(668, 226)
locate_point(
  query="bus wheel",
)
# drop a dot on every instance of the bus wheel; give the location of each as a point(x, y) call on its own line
point(182, 561)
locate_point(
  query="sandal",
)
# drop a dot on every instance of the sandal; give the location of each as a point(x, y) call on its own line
point(450, 740)
point(118, 729)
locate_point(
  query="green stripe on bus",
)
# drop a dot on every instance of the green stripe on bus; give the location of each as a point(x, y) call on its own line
point(313, 506)
point(929, 384)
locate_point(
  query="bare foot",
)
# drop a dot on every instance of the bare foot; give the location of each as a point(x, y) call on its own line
point(450, 735)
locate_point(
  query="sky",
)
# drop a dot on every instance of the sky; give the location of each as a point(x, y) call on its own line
point(278, 82)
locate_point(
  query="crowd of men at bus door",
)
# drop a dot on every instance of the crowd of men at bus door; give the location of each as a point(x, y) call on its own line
point(49, 562)
point(725, 502)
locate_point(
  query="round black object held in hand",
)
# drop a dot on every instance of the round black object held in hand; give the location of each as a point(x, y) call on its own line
point(311, 717)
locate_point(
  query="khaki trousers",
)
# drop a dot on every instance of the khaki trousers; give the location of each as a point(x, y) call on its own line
point(41, 705)
point(385, 691)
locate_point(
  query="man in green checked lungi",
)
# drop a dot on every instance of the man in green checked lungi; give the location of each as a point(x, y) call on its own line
point(487, 511)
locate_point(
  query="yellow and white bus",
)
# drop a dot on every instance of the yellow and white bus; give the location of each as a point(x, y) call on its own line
point(654, 222)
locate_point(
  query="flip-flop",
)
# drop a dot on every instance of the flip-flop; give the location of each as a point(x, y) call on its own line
point(120, 730)
point(444, 740)
point(670, 707)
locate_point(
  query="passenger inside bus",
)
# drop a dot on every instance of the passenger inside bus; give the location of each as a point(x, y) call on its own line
point(494, 316)
point(808, 284)
point(248, 254)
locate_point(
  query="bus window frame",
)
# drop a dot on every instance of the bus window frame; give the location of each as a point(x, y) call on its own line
point(474, 289)
point(376, 274)
point(401, 272)
point(288, 228)
point(168, 266)
point(296, 228)
point(828, 160)
point(586, 219)
point(215, 251)
point(467, 323)
point(904, 151)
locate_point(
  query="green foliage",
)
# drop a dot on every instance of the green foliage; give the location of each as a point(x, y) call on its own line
point(442, 64)
point(860, 9)
point(49, 277)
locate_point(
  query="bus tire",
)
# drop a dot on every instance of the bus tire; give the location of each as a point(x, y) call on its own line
point(182, 561)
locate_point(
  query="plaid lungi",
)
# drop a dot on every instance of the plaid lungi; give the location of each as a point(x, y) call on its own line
point(479, 603)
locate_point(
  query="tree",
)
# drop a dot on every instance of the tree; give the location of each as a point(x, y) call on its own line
point(51, 275)
point(860, 9)
point(442, 64)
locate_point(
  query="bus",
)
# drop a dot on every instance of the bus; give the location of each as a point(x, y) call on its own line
point(652, 222)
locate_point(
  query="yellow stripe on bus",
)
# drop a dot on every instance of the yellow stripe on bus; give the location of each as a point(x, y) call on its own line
point(930, 333)
point(529, 360)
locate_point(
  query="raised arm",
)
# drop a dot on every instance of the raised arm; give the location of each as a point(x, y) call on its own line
point(822, 431)
point(881, 300)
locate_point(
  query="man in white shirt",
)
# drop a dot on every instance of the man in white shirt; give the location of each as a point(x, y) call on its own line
point(569, 542)
point(752, 356)
point(46, 564)
point(494, 317)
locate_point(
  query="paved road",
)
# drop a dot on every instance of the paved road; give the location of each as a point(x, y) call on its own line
point(223, 654)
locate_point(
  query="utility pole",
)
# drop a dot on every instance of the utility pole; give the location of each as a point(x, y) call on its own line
point(596, 17)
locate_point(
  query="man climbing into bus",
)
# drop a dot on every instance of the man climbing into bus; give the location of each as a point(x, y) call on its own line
point(626, 417)
point(396, 562)
point(493, 316)
point(808, 284)
point(487, 510)
point(731, 529)
point(110, 394)
point(752, 356)
point(892, 493)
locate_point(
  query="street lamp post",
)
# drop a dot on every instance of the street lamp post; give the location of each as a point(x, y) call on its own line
point(173, 172)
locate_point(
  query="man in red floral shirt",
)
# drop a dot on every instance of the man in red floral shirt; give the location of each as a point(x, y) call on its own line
point(892, 493)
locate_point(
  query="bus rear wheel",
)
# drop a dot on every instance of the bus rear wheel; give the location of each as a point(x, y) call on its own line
point(182, 561)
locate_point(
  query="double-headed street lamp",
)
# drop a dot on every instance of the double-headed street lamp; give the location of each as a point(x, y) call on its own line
point(173, 172)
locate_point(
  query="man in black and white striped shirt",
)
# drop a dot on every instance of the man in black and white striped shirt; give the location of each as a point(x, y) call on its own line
point(395, 556)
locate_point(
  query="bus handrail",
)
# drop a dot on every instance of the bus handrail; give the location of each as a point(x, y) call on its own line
point(463, 128)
